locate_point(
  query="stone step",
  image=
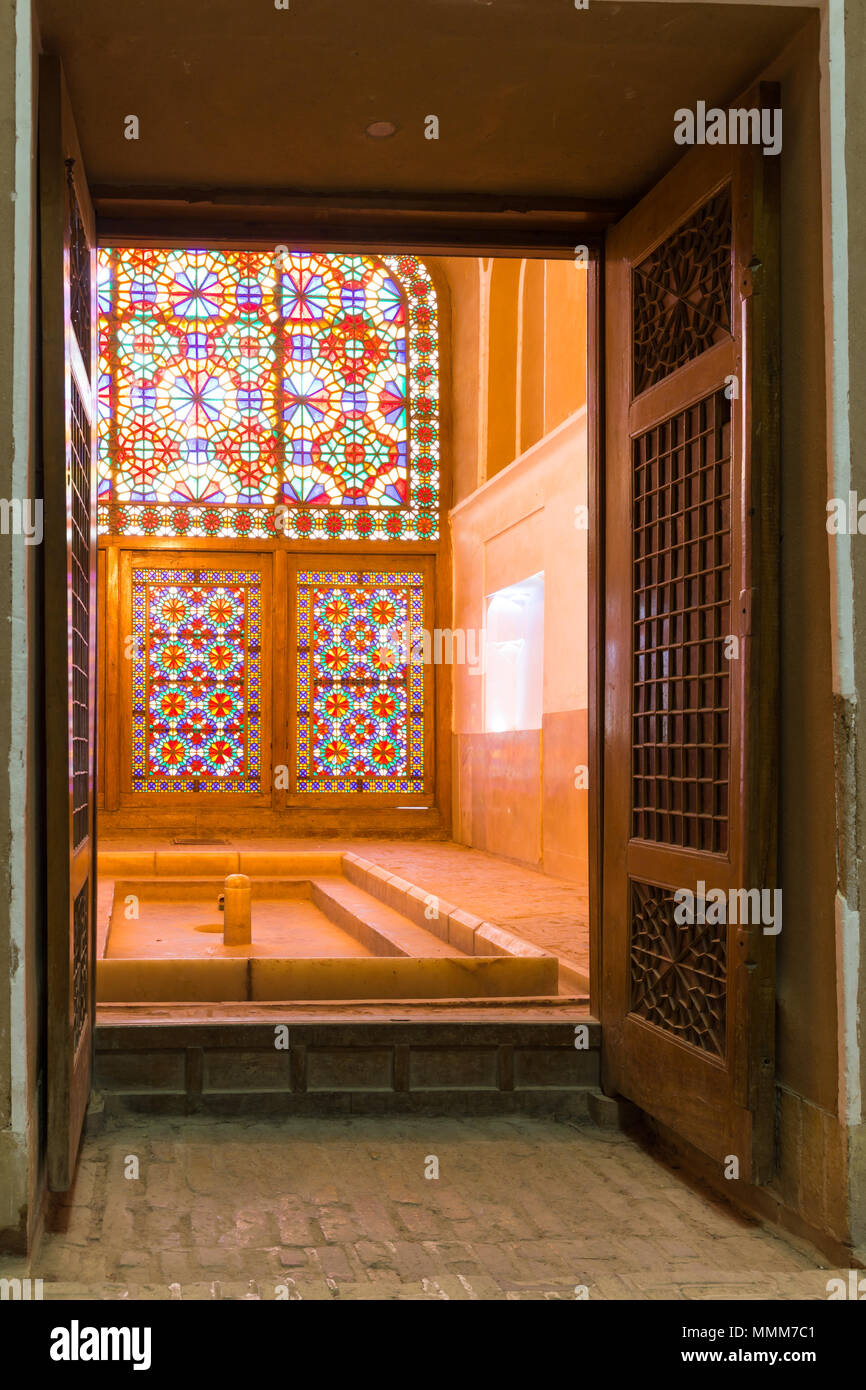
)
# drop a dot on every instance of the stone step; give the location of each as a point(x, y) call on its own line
point(289, 1064)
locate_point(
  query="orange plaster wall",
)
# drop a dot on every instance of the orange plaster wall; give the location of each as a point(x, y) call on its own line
point(519, 361)
point(565, 358)
point(502, 365)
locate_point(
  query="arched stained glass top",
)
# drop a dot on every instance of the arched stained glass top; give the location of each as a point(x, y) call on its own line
point(257, 393)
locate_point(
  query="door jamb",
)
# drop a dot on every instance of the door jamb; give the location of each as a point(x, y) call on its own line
point(595, 433)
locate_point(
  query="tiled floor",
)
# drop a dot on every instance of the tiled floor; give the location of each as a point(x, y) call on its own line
point(522, 1208)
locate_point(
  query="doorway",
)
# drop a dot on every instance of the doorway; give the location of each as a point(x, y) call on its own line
point(813, 1079)
point(290, 446)
point(257, 686)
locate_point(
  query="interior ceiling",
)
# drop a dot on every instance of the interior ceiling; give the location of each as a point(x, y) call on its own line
point(535, 99)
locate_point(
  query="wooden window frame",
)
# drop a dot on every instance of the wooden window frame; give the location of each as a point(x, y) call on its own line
point(361, 564)
point(119, 746)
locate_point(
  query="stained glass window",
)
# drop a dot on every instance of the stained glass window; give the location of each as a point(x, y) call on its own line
point(253, 393)
point(360, 701)
point(196, 680)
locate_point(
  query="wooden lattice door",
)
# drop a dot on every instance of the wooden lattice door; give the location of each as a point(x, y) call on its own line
point(68, 289)
point(690, 652)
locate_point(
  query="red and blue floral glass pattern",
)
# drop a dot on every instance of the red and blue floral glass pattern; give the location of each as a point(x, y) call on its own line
point(360, 702)
point(196, 680)
point(253, 393)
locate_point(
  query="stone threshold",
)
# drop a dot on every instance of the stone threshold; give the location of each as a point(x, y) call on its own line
point(502, 1059)
point(516, 1010)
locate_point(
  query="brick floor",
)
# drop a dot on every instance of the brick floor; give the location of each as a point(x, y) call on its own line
point(523, 1208)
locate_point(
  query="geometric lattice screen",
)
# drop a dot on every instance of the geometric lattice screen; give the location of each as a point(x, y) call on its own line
point(262, 393)
point(79, 281)
point(360, 697)
point(681, 616)
point(196, 683)
point(681, 294)
point(678, 971)
point(80, 492)
point(80, 962)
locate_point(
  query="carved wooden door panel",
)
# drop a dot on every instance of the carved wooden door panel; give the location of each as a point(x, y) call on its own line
point(68, 288)
point(690, 652)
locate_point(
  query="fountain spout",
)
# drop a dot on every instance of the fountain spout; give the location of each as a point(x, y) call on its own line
point(237, 924)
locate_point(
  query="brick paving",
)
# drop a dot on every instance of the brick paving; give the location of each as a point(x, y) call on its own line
point(523, 1208)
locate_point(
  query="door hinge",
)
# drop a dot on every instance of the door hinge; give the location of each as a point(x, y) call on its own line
point(750, 278)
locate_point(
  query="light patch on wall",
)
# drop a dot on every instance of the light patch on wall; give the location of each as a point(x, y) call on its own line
point(514, 681)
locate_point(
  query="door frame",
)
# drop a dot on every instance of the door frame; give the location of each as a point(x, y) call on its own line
point(595, 436)
point(538, 237)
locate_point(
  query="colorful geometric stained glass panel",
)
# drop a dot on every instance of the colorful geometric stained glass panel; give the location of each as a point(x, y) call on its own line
point(259, 393)
point(360, 696)
point(196, 680)
point(189, 379)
